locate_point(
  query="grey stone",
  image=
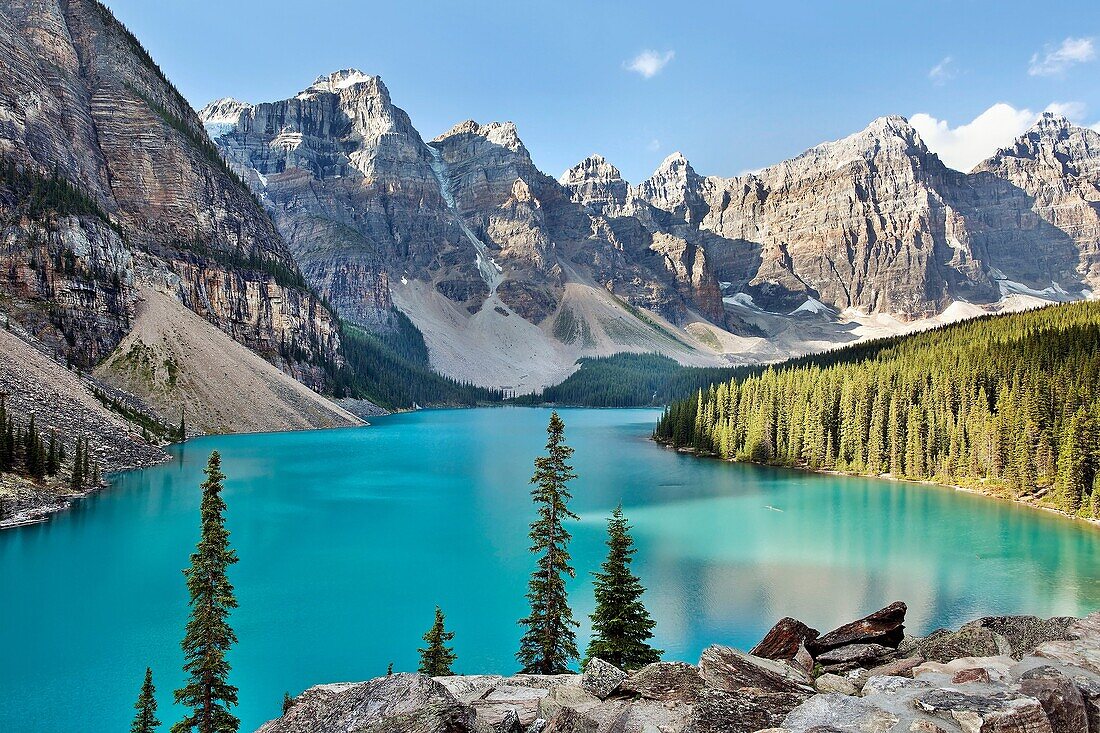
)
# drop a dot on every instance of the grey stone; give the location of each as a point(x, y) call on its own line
point(835, 683)
point(839, 712)
point(993, 713)
point(407, 702)
point(665, 681)
point(859, 654)
point(725, 712)
point(600, 678)
point(731, 670)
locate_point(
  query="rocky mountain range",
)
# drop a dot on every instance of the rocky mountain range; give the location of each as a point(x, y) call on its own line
point(332, 201)
point(511, 275)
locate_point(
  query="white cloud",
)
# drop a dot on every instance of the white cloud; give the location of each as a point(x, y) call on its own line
point(648, 63)
point(1069, 110)
point(942, 72)
point(653, 145)
point(965, 146)
point(1056, 60)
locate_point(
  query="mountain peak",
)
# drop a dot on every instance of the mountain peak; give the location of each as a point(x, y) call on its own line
point(501, 133)
point(222, 115)
point(673, 161)
point(593, 168)
point(338, 81)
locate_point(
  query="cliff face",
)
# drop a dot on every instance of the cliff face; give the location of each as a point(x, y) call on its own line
point(110, 180)
point(874, 223)
point(464, 232)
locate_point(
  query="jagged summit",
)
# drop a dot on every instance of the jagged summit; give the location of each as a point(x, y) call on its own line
point(501, 133)
point(594, 167)
point(338, 81)
point(222, 115)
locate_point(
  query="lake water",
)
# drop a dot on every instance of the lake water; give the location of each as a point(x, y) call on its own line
point(349, 538)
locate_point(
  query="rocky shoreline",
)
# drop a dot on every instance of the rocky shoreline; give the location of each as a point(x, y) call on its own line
point(999, 674)
point(1031, 500)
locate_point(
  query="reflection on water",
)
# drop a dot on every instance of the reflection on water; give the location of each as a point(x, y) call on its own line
point(349, 538)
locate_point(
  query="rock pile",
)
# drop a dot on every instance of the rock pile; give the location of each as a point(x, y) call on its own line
point(1014, 674)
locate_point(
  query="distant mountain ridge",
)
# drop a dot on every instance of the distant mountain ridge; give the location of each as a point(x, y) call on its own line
point(464, 232)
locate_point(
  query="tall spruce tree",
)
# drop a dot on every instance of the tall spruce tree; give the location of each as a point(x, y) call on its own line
point(209, 636)
point(145, 719)
point(436, 658)
point(621, 625)
point(549, 643)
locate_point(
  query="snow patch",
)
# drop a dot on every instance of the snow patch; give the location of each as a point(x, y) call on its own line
point(812, 305)
point(486, 264)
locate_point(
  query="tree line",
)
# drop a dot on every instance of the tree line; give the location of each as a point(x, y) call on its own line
point(1010, 404)
point(629, 380)
point(26, 451)
point(622, 627)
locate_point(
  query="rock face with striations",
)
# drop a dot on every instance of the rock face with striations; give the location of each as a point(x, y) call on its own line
point(135, 191)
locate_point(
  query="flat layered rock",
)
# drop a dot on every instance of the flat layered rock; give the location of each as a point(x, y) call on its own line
point(411, 703)
point(838, 712)
point(724, 712)
point(665, 681)
point(856, 654)
point(723, 668)
point(885, 626)
point(999, 712)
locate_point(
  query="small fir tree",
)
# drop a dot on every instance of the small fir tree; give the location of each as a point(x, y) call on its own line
point(209, 636)
point(549, 643)
point(288, 702)
point(145, 719)
point(621, 625)
point(436, 658)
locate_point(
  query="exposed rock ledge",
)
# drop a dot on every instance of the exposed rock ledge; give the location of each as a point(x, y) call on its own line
point(1014, 674)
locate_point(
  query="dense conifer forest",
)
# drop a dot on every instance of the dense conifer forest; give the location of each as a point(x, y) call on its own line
point(1007, 404)
point(629, 380)
point(391, 369)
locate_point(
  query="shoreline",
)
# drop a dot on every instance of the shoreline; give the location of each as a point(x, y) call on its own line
point(1021, 501)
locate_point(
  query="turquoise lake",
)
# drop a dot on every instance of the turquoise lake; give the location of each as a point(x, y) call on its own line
point(349, 538)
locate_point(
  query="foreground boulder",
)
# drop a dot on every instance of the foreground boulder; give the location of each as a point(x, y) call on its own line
point(885, 627)
point(992, 713)
point(727, 669)
point(601, 678)
point(1055, 688)
point(784, 640)
point(411, 703)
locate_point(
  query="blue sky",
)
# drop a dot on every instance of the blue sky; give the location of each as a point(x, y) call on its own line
point(735, 86)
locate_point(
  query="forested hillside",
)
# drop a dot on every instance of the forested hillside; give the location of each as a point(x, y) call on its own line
point(1007, 404)
point(629, 380)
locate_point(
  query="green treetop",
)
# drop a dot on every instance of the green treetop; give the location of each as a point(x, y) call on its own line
point(145, 720)
point(621, 625)
point(436, 658)
point(549, 643)
point(209, 636)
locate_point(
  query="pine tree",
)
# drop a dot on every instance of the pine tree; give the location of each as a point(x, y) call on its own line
point(52, 457)
point(183, 427)
point(288, 702)
point(436, 658)
point(550, 643)
point(145, 720)
point(621, 625)
point(1073, 460)
point(77, 482)
point(209, 636)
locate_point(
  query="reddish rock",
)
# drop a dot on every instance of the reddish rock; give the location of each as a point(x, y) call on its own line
point(885, 626)
point(784, 639)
